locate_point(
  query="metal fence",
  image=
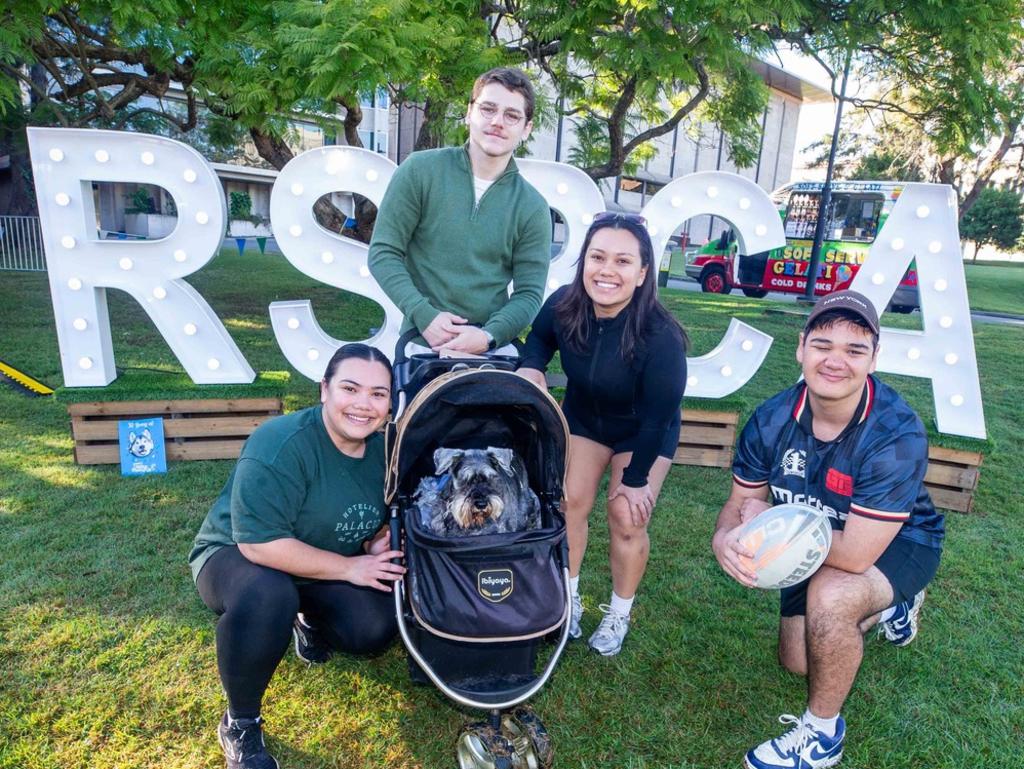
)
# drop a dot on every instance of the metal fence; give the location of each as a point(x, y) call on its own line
point(21, 244)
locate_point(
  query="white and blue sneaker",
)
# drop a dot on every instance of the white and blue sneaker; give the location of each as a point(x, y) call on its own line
point(901, 628)
point(800, 748)
point(575, 615)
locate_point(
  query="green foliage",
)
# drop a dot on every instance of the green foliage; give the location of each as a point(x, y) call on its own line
point(994, 219)
point(140, 202)
point(240, 206)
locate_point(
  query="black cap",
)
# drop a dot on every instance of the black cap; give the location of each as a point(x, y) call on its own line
point(850, 301)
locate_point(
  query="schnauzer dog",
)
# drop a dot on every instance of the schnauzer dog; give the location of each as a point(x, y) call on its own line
point(477, 491)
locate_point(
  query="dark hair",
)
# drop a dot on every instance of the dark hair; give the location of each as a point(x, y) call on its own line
point(513, 79)
point(644, 313)
point(830, 318)
point(359, 351)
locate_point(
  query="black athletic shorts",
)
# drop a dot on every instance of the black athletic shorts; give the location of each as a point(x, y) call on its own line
point(668, 446)
point(908, 566)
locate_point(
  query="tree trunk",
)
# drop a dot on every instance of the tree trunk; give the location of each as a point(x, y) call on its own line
point(431, 133)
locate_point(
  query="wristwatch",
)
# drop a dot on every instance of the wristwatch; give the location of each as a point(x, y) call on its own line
point(491, 344)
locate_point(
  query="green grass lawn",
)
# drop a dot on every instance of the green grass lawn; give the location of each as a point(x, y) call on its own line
point(996, 286)
point(107, 653)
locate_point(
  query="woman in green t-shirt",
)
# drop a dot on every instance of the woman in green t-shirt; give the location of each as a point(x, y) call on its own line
point(295, 545)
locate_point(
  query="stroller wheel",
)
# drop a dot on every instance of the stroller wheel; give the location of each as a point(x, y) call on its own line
point(481, 747)
point(531, 739)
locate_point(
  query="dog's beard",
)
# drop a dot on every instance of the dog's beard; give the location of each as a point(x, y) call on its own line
point(468, 515)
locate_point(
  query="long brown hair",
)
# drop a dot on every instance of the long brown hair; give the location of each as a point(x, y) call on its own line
point(644, 313)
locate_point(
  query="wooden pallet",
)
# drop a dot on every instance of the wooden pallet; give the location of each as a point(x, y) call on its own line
point(952, 478)
point(214, 428)
point(707, 438)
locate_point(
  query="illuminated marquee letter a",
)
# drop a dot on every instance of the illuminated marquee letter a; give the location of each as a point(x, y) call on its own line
point(65, 163)
point(923, 227)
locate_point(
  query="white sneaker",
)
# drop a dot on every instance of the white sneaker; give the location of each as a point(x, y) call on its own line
point(608, 637)
point(575, 631)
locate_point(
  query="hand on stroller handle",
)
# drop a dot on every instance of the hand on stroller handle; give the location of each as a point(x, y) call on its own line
point(375, 569)
point(443, 329)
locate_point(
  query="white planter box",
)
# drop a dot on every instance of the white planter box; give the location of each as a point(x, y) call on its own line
point(240, 228)
point(150, 226)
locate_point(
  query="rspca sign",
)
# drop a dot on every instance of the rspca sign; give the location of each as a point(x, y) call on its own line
point(922, 228)
point(142, 446)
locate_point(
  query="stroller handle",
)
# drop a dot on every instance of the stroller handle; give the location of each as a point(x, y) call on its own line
point(401, 356)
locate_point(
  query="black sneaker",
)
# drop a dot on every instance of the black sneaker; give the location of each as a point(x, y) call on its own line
point(310, 645)
point(241, 739)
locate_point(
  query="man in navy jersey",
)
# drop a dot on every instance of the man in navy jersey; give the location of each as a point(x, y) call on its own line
point(849, 445)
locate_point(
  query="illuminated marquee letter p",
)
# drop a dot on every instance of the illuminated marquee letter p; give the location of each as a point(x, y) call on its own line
point(65, 162)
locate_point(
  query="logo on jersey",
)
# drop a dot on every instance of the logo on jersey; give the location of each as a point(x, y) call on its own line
point(840, 483)
point(793, 462)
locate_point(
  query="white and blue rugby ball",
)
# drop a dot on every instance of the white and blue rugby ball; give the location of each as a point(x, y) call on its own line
point(790, 542)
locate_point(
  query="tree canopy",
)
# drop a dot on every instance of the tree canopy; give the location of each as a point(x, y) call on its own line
point(624, 72)
point(996, 218)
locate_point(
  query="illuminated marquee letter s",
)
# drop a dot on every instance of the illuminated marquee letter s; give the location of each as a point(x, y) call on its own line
point(332, 259)
point(81, 267)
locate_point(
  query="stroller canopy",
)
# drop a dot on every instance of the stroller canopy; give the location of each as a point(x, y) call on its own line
point(477, 408)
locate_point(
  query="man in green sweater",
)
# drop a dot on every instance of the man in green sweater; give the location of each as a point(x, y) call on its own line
point(458, 224)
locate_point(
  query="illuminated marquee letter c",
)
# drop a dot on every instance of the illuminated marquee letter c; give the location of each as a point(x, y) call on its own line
point(758, 228)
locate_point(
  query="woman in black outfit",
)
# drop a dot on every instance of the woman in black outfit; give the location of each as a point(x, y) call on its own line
point(625, 359)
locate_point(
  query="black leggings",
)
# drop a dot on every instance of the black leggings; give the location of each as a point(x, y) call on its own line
point(257, 605)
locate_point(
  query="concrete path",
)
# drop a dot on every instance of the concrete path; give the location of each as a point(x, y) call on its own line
point(976, 315)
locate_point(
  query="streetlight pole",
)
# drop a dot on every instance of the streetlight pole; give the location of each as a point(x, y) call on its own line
point(826, 193)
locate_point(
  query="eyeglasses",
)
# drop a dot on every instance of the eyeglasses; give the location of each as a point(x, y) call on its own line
point(489, 110)
point(614, 217)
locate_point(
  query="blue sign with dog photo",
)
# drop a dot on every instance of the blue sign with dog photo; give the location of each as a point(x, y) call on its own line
point(142, 446)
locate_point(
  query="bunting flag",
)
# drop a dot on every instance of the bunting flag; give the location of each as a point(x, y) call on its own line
point(262, 243)
point(241, 245)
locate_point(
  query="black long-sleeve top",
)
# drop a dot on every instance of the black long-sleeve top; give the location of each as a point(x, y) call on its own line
point(609, 397)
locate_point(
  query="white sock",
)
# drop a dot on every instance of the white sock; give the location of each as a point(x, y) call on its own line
point(621, 605)
point(886, 615)
point(574, 584)
point(826, 726)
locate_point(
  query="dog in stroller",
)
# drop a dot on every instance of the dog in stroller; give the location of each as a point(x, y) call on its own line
point(484, 617)
point(477, 491)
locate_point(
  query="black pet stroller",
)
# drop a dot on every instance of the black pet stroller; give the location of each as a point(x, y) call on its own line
point(475, 611)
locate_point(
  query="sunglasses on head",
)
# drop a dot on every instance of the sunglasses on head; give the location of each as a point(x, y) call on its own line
point(614, 217)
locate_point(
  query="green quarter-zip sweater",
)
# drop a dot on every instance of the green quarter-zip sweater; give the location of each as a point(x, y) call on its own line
point(435, 248)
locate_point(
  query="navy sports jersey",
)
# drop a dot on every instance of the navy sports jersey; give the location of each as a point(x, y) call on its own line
point(874, 468)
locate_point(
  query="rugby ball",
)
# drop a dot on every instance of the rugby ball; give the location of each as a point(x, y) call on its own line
point(789, 542)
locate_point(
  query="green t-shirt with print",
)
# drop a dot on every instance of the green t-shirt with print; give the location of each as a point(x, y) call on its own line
point(292, 482)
